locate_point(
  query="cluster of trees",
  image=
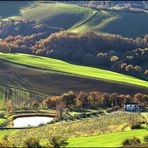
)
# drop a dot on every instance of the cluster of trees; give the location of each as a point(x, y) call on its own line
point(23, 27)
point(71, 100)
point(133, 63)
point(107, 51)
point(93, 100)
point(20, 35)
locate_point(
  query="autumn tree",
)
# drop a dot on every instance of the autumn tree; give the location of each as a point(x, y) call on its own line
point(138, 98)
point(51, 102)
point(114, 99)
point(82, 100)
point(9, 106)
point(69, 99)
point(105, 100)
point(93, 99)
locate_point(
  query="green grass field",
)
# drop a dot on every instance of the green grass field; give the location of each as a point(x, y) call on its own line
point(96, 22)
point(126, 20)
point(58, 65)
point(79, 19)
point(4, 133)
point(3, 121)
point(57, 14)
point(107, 140)
point(116, 23)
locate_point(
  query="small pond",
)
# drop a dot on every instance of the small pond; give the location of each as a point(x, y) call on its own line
point(31, 121)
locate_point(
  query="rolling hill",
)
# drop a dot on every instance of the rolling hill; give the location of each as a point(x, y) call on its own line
point(11, 8)
point(116, 22)
point(53, 77)
point(80, 19)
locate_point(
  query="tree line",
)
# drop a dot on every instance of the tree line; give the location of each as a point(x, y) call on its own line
point(81, 100)
point(93, 100)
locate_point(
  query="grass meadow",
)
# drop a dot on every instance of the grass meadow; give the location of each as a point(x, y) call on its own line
point(61, 66)
point(106, 140)
point(77, 18)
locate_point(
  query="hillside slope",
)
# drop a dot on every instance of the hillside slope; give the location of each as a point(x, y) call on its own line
point(50, 77)
point(57, 14)
point(50, 82)
point(61, 66)
point(116, 22)
point(80, 19)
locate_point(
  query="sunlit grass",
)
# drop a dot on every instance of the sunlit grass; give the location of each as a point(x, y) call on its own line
point(61, 66)
point(107, 140)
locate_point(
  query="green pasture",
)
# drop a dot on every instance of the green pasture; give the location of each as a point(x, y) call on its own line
point(61, 66)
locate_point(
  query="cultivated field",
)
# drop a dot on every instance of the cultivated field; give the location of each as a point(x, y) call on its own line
point(61, 66)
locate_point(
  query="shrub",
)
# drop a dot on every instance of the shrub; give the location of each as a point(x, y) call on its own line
point(137, 125)
point(71, 118)
point(134, 124)
point(58, 141)
point(77, 116)
point(4, 144)
point(146, 138)
point(32, 143)
point(131, 141)
point(2, 115)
